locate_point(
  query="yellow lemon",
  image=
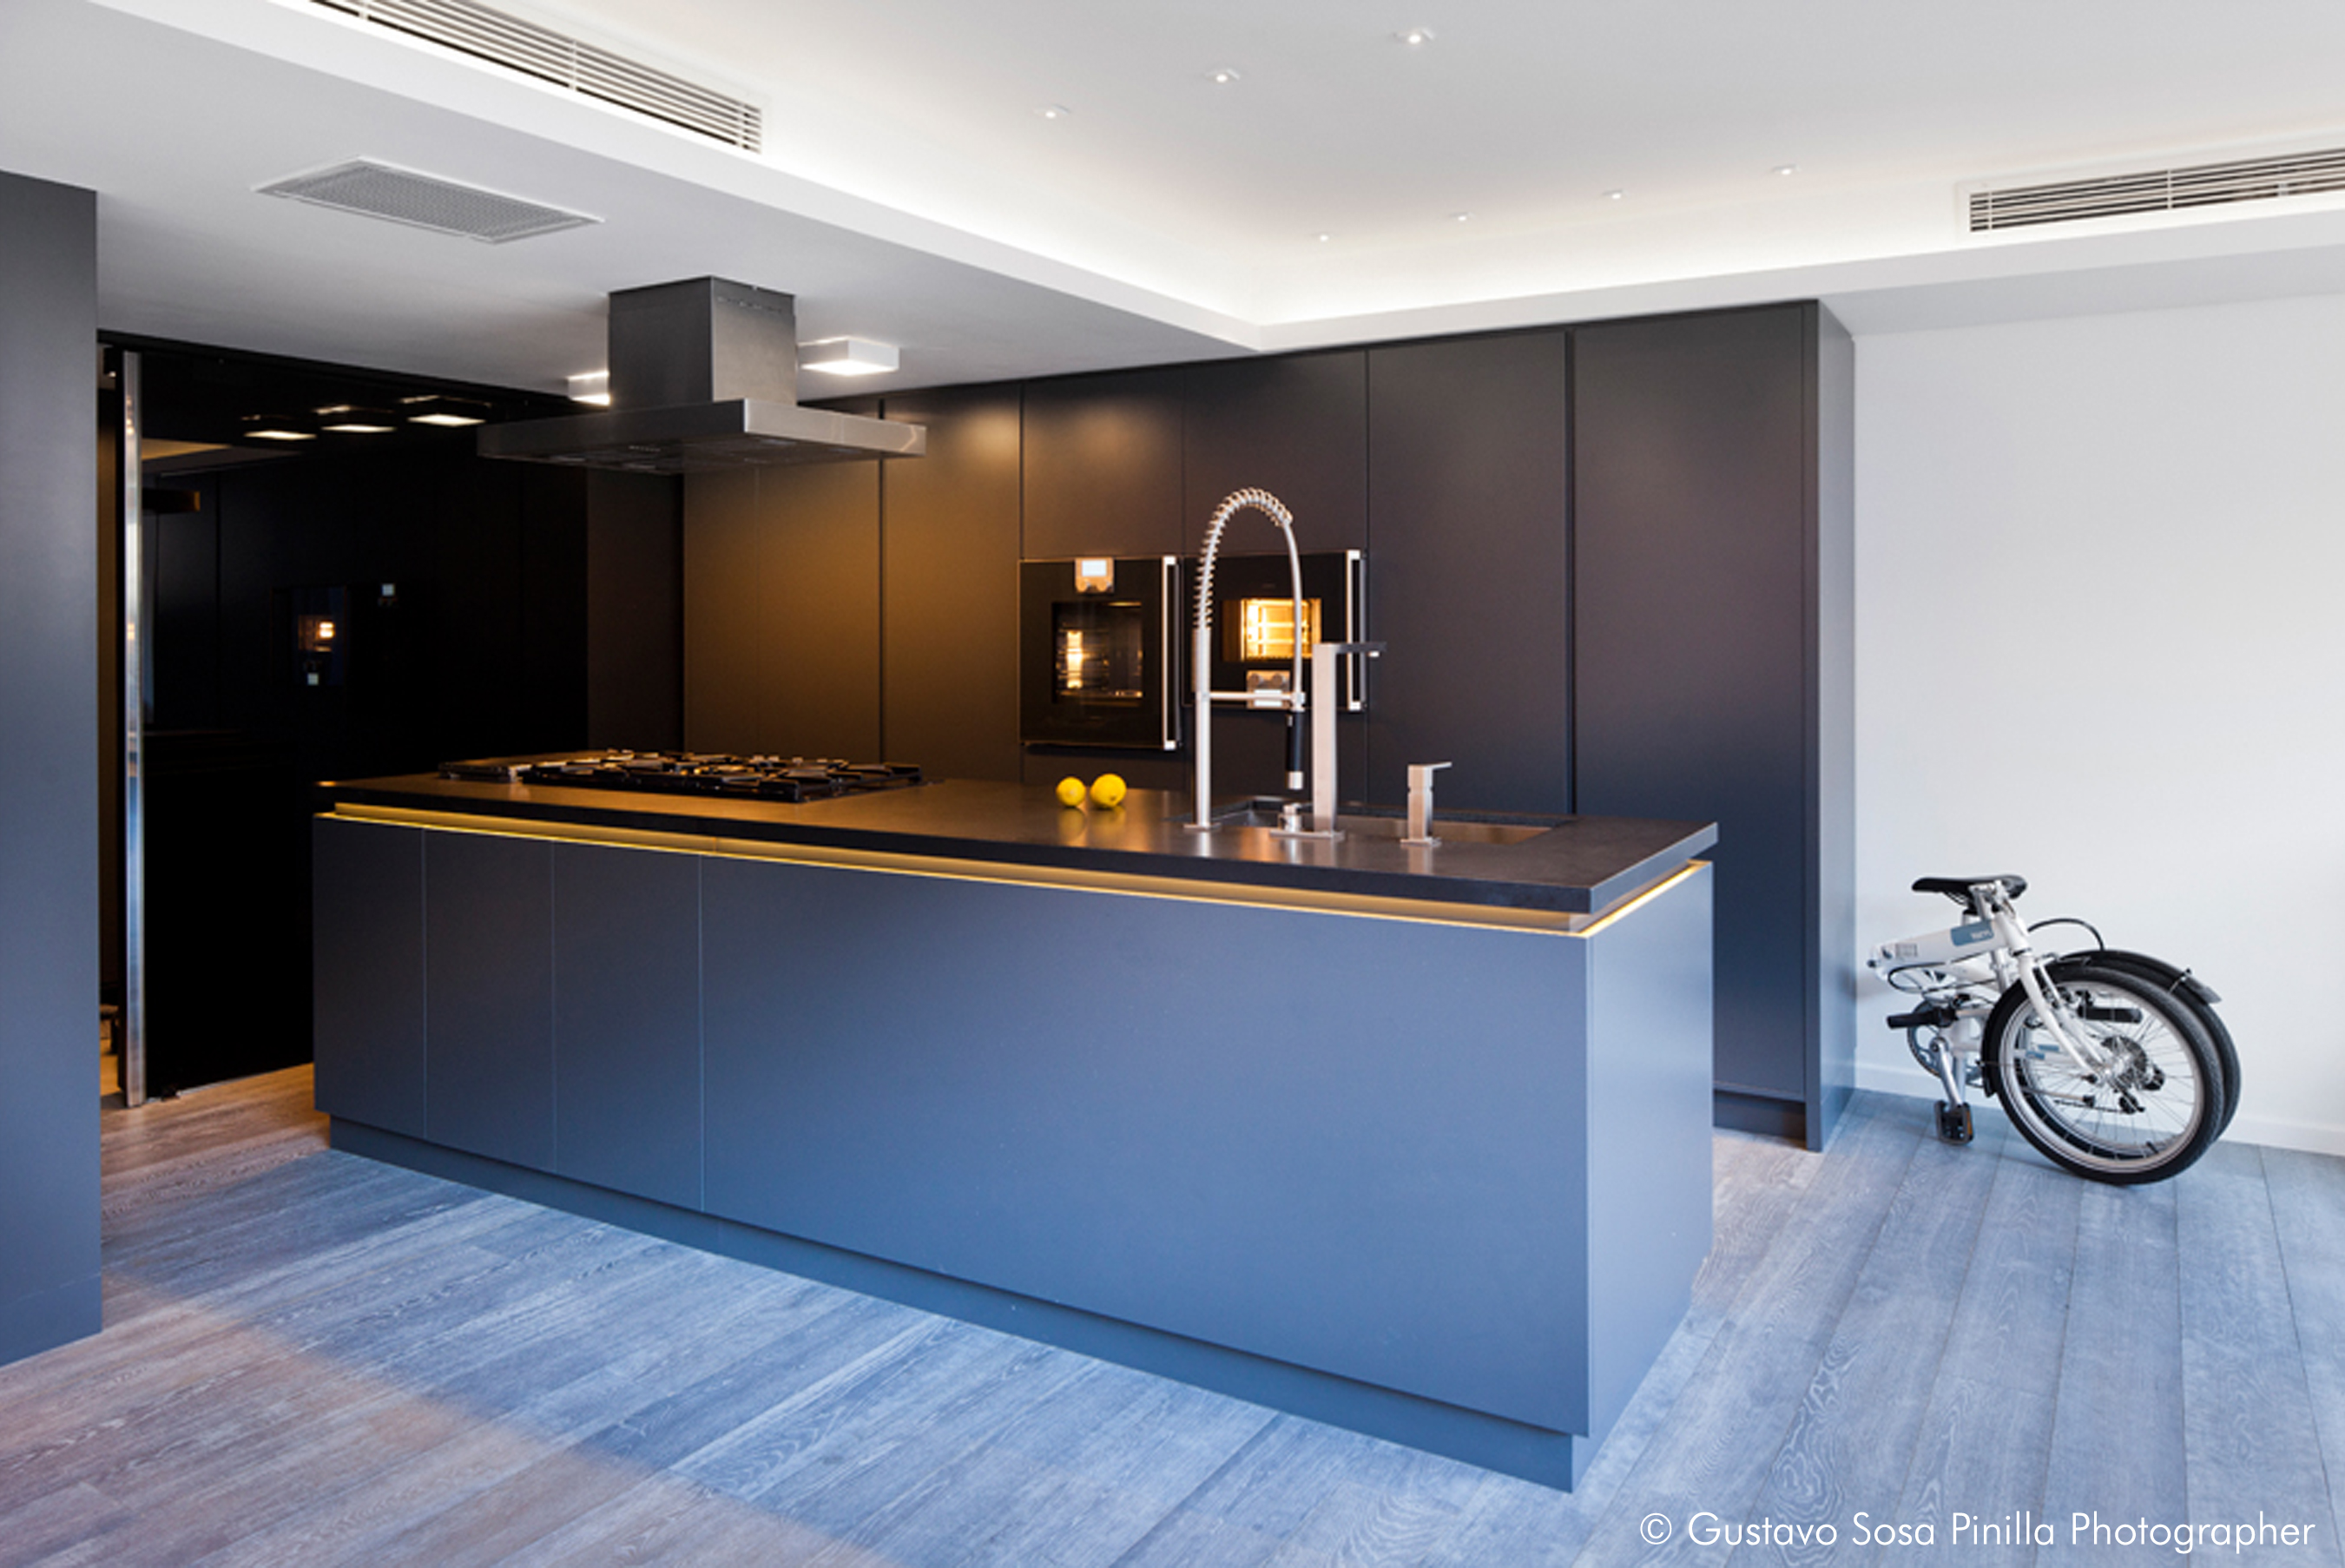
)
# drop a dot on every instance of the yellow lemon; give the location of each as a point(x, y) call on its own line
point(1107, 789)
point(1071, 791)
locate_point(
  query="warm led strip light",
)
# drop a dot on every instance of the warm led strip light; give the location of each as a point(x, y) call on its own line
point(1363, 906)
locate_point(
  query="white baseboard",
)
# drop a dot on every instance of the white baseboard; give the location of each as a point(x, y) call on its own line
point(2310, 1137)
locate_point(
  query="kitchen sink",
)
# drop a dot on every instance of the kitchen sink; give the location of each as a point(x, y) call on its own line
point(1380, 825)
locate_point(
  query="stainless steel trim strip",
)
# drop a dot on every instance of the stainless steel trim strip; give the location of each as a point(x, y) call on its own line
point(137, 606)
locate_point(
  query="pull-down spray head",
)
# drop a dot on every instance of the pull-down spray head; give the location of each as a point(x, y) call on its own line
point(1201, 660)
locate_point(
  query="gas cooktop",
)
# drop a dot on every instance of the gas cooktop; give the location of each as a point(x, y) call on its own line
point(758, 777)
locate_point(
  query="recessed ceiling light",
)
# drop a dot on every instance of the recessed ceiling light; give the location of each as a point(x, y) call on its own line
point(438, 408)
point(1614, 195)
point(849, 357)
point(1323, 238)
point(280, 435)
point(1787, 169)
point(592, 387)
point(1225, 76)
point(355, 418)
point(1461, 217)
point(1413, 36)
point(1054, 111)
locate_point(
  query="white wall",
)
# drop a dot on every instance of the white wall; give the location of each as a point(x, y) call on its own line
point(2101, 642)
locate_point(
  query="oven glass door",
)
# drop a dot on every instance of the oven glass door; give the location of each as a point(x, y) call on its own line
point(1098, 661)
point(1254, 619)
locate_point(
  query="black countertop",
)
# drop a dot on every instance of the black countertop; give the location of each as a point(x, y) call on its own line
point(1581, 865)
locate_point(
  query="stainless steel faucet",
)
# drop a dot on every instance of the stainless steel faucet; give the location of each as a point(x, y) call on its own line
point(1322, 733)
point(1420, 803)
point(1201, 660)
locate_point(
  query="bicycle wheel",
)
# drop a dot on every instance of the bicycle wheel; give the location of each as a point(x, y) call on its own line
point(2146, 1118)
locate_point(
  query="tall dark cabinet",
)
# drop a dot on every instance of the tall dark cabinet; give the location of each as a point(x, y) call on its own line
point(1466, 578)
point(1100, 467)
point(781, 610)
point(1713, 536)
point(949, 586)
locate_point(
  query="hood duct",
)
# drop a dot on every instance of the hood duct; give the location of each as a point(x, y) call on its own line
point(704, 376)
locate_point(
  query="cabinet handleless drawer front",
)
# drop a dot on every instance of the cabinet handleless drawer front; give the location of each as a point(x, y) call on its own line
point(368, 937)
point(626, 1021)
point(1353, 1145)
point(489, 995)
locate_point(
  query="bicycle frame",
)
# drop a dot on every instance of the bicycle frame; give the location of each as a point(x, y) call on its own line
point(1992, 950)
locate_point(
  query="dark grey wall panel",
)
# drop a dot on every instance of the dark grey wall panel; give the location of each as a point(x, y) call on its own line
point(48, 769)
point(1277, 1168)
point(1833, 856)
point(635, 610)
point(489, 996)
point(626, 1021)
point(729, 664)
point(1466, 571)
point(1102, 467)
point(368, 942)
point(1693, 569)
point(553, 601)
point(185, 624)
point(949, 586)
point(1296, 426)
point(781, 587)
point(480, 542)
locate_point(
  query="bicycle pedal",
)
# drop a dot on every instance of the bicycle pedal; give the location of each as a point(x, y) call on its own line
point(1955, 1123)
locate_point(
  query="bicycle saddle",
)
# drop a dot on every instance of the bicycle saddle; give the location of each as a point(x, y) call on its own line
point(1959, 888)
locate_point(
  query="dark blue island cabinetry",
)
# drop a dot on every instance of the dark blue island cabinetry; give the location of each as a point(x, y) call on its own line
point(1418, 1149)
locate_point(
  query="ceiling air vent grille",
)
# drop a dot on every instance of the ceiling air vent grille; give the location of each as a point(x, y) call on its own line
point(423, 201)
point(2159, 190)
point(597, 73)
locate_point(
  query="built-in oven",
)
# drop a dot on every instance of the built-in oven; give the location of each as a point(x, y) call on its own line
point(1253, 621)
point(1099, 652)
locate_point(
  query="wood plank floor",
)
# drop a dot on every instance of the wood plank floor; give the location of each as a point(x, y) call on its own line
point(312, 1360)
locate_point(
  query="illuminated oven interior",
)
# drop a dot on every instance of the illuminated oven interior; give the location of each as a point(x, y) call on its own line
point(1260, 629)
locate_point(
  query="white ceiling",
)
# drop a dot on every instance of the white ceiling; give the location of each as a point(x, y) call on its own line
point(911, 192)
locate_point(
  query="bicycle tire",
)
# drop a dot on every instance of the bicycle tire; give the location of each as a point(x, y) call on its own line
point(2169, 979)
point(2164, 1108)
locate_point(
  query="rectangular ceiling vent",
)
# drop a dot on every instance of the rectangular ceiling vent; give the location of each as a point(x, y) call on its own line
point(585, 69)
point(2158, 190)
point(425, 201)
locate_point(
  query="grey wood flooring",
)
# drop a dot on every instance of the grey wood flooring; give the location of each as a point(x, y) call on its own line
point(312, 1360)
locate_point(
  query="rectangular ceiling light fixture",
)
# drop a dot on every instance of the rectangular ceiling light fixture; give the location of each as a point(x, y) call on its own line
point(2158, 190)
point(425, 201)
point(849, 357)
point(587, 69)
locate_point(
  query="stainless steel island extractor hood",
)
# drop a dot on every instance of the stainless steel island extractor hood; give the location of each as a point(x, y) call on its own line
point(704, 376)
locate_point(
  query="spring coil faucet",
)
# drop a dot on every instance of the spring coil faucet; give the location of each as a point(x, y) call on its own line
point(1200, 663)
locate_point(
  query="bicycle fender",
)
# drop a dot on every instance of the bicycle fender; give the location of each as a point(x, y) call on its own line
point(2142, 962)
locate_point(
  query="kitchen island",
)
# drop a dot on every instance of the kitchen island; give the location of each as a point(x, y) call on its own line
point(1413, 1140)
